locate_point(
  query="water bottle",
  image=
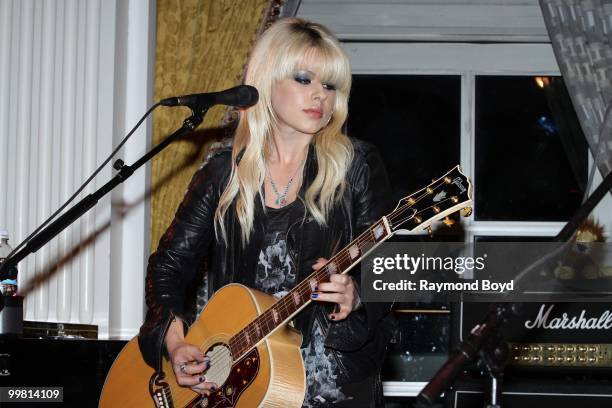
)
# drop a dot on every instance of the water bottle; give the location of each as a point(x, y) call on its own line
point(8, 282)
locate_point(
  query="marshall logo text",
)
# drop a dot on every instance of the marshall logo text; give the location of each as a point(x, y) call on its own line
point(565, 322)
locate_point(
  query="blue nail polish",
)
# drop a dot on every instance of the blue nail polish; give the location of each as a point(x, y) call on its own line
point(314, 295)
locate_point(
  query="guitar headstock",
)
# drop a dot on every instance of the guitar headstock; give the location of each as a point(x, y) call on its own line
point(450, 193)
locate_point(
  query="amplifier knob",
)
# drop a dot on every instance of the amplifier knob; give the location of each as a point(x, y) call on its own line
point(592, 349)
point(582, 359)
point(560, 348)
point(582, 348)
point(526, 358)
point(560, 359)
point(550, 348)
point(571, 349)
point(569, 359)
point(550, 359)
point(526, 348)
point(592, 359)
point(517, 358)
point(536, 358)
point(537, 348)
point(516, 348)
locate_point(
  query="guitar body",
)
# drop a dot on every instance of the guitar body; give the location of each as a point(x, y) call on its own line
point(270, 375)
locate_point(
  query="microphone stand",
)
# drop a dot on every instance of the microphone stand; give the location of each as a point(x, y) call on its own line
point(485, 339)
point(80, 208)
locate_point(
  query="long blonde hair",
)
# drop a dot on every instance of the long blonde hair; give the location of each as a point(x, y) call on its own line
point(276, 56)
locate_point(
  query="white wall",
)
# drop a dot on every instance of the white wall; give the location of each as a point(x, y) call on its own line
point(65, 67)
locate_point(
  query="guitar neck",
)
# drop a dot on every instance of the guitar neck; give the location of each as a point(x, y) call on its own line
point(300, 296)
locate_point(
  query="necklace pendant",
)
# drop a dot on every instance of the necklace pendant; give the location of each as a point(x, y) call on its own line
point(283, 202)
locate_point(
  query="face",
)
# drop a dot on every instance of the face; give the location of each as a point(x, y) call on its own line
point(303, 103)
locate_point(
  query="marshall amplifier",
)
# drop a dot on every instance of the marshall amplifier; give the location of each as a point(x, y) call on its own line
point(573, 336)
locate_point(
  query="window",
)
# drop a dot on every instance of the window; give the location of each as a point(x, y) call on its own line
point(430, 106)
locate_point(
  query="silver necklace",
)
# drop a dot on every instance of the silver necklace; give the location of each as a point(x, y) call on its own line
point(281, 199)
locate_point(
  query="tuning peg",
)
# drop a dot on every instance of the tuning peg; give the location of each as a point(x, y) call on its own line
point(449, 222)
point(429, 231)
point(454, 199)
point(429, 190)
point(466, 211)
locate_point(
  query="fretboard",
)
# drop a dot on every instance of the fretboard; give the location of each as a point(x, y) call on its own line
point(300, 295)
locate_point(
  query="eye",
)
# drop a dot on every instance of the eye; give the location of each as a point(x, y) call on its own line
point(329, 87)
point(302, 79)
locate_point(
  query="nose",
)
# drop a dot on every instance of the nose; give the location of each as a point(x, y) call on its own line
point(319, 92)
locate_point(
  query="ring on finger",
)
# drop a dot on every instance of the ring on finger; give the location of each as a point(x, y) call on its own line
point(182, 368)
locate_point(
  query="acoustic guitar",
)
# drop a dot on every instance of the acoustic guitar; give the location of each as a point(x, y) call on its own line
point(254, 352)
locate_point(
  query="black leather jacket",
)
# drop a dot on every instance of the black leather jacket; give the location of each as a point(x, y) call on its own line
point(358, 342)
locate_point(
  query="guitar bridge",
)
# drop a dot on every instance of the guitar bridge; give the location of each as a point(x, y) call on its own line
point(160, 391)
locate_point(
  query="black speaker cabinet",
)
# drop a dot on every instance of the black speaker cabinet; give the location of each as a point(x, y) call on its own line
point(78, 366)
point(535, 393)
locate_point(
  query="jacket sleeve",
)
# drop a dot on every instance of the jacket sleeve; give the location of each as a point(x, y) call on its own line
point(371, 201)
point(173, 266)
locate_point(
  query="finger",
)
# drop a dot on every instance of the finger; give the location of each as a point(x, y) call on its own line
point(190, 380)
point(205, 388)
point(187, 353)
point(342, 279)
point(341, 315)
point(194, 367)
point(319, 263)
point(332, 287)
point(193, 353)
point(332, 297)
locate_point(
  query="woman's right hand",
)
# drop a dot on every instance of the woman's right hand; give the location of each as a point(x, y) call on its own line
point(188, 362)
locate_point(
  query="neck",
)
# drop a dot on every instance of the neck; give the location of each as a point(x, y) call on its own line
point(285, 149)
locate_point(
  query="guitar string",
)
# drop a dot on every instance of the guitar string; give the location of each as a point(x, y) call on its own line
point(243, 338)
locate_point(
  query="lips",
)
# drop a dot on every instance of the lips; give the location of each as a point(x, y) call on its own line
point(315, 113)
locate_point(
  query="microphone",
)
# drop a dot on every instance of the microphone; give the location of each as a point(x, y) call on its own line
point(241, 96)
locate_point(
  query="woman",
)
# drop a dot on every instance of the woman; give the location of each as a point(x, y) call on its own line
point(289, 193)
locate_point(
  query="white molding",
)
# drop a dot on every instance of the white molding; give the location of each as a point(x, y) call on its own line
point(402, 388)
point(429, 20)
point(451, 59)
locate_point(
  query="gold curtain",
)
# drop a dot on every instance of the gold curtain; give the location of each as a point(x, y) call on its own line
point(202, 46)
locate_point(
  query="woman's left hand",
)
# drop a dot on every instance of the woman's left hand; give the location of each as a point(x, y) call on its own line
point(340, 289)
